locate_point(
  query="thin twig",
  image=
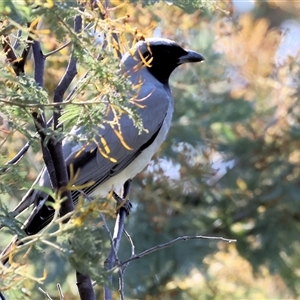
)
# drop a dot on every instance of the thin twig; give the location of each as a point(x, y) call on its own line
point(45, 293)
point(115, 37)
point(17, 42)
point(131, 242)
point(132, 250)
point(16, 159)
point(57, 50)
point(112, 256)
point(116, 44)
point(53, 105)
point(169, 244)
point(68, 98)
point(60, 292)
point(121, 284)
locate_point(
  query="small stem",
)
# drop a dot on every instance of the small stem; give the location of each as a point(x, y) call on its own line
point(58, 49)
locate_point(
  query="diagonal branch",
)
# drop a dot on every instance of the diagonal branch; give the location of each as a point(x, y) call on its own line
point(58, 49)
point(16, 159)
point(39, 118)
point(169, 244)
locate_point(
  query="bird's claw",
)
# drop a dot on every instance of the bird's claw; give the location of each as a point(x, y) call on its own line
point(122, 204)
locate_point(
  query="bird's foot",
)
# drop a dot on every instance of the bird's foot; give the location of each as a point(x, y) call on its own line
point(122, 203)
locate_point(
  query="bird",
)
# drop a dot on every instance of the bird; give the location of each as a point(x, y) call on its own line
point(118, 153)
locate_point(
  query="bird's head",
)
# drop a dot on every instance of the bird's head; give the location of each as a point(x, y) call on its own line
point(160, 57)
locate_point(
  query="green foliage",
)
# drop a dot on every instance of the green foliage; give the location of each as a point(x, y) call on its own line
point(85, 245)
point(19, 12)
point(189, 6)
point(8, 222)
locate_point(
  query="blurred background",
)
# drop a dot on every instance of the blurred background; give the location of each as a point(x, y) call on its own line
point(230, 166)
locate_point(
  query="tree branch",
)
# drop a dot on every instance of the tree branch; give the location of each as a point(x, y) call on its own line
point(169, 244)
point(17, 158)
point(39, 119)
point(61, 295)
point(85, 287)
point(58, 49)
point(45, 294)
point(117, 236)
point(47, 156)
point(10, 54)
point(39, 63)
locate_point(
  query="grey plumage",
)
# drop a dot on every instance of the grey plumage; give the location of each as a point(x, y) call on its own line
point(110, 169)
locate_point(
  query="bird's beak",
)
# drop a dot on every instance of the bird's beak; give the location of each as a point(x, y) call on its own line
point(191, 56)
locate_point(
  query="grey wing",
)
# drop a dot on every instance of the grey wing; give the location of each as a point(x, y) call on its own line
point(115, 150)
point(90, 162)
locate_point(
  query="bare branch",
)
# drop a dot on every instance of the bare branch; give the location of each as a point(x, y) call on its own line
point(169, 244)
point(17, 42)
point(61, 295)
point(115, 37)
point(56, 148)
point(85, 287)
point(47, 156)
point(118, 231)
point(116, 44)
point(121, 284)
point(132, 250)
point(131, 242)
point(39, 119)
point(57, 50)
point(17, 158)
point(45, 293)
point(39, 63)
